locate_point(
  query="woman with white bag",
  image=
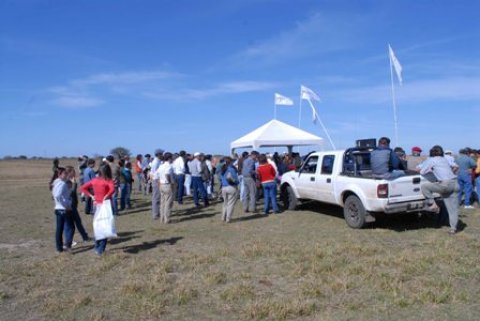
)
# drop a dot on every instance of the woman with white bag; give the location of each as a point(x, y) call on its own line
point(103, 189)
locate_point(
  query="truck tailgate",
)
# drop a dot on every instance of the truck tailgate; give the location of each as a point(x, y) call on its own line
point(405, 189)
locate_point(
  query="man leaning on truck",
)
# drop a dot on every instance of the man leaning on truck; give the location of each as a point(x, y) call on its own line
point(385, 163)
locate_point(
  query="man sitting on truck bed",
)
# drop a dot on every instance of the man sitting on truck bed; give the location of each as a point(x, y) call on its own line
point(385, 163)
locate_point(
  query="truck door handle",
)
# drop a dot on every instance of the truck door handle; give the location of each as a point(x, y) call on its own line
point(329, 180)
point(312, 179)
point(416, 180)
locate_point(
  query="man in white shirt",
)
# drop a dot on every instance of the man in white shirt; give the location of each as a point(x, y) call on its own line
point(179, 171)
point(165, 178)
point(195, 169)
point(154, 165)
point(446, 185)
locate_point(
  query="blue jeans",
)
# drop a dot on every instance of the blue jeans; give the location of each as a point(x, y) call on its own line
point(89, 206)
point(242, 187)
point(465, 183)
point(180, 188)
point(115, 201)
point(100, 246)
point(199, 188)
point(78, 224)
point(139, 181)
point(270, 197)
point(125, 190)
point(478, 189)
point(64, 223)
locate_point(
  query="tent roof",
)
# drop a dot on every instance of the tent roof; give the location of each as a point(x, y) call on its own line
point(276, 133)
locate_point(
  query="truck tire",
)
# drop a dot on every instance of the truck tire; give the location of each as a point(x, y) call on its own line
point(289, 199)
point(354, 212)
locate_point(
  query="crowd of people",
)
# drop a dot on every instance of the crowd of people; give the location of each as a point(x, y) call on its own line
point(453, 178)
point(170, 177)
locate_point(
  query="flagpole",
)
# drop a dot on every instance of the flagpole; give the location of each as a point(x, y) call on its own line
point(323, 126)
point(300, 111)
point(395, 121)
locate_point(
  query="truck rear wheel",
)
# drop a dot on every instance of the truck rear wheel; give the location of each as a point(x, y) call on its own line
point(354, 212)
point(289, 199)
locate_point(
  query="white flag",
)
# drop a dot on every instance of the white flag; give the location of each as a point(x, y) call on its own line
point(308, 94)
point(314, 112)
point(282, 100)
point(396, 64)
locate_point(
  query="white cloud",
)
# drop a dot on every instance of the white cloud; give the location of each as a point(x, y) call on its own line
point(77, 101)
point(235, 87)
point(84, 92)
point(123, 78)
point(318, 34)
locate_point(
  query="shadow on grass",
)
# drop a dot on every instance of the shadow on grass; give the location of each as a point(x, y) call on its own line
point(193, 217)
point(399, 222)
point(144, 246)
point(248, 218)
point(138, 207)
point(122, 237)
point(125, 237)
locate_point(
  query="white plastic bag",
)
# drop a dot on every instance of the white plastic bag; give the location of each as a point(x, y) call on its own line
point(104, 222)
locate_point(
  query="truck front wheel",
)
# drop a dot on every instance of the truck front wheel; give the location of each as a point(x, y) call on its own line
point(288, 198)
point(354, 212)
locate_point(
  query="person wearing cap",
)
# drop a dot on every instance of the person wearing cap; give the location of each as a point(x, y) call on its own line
point(154, 165)
point(465, 166)
point(165, 178)
point(195, 168)
point(416, 151)
point(415, 159)
point(385, 163)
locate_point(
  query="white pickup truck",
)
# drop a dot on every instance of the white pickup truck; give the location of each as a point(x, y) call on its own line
point(344, 178)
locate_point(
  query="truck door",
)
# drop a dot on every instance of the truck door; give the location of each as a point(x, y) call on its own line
point(324, 183)
point(307, 178)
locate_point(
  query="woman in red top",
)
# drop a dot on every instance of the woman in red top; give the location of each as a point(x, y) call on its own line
point(266, 174)
point(103, 189)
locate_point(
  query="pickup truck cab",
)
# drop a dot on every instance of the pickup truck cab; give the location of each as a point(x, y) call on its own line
point(344, 178)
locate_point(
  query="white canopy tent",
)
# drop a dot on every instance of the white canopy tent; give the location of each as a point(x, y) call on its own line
point(275, 133)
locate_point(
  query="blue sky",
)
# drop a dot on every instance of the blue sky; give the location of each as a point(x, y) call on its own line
point(82, 77)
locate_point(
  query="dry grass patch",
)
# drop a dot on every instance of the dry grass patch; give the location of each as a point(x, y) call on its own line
point(303, 265)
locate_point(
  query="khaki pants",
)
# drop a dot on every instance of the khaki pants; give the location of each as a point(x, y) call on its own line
point(448, 190)
point(229, 194)
point(155, 199)
point(166, 201)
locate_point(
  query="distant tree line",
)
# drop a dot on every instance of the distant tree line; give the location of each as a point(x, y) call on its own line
point(117, 152)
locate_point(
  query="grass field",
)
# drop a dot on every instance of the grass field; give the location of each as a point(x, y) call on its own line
point(302, 265)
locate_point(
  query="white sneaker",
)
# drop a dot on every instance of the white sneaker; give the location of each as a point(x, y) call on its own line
point(469, 206)
point(74, 243)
